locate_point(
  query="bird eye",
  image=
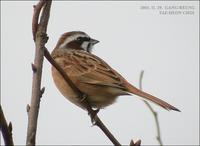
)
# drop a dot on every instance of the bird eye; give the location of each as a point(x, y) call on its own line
point(79, 39)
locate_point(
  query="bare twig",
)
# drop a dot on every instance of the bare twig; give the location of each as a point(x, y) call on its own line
point(62, 72)
point(137, 143)
point(6, 129)
point(155, 115)
point(40, 41)
point(37, 8)
point(80, 95)
point(93, 114)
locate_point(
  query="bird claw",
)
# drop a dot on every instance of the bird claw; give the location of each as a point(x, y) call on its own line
point(83, 98)
point(93, 115)
point(93, 112)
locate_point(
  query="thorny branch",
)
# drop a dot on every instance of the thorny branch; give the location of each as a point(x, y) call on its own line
point(6, 129)
point(155, 114)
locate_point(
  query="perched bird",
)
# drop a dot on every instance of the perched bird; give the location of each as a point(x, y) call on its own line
point(91, 74)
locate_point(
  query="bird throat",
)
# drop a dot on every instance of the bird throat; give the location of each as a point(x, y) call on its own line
point(86, 46)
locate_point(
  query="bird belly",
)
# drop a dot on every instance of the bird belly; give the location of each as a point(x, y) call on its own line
point(98, 96)
point(64, 87)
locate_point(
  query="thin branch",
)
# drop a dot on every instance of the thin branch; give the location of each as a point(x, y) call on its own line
point(155, 114)
point(40, 41)
point(36, 8)
point(62, 72)
point(80, 95)
point(93, 114)
point(6, 129)
point(137, 143)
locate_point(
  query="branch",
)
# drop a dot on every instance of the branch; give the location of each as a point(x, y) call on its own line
point(40, 41)
point(36, 13)
point(6, 129)
point(137, 143)
point(155, 114)
point(80, 95)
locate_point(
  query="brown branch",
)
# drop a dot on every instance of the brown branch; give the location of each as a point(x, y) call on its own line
point(137, 143)
point(62, 72)
point(40, 41)
point(155, 114)
point(80, 95)
point(6, 129)
point(36, 13)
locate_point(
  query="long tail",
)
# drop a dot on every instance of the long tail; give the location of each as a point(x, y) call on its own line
point(149, 97)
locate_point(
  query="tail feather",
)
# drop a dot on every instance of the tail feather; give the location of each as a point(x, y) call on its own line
point(152, 98)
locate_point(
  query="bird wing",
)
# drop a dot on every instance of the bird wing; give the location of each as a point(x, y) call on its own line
point(90, 69)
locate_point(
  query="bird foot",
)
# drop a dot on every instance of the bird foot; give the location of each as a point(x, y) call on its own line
point(92, 112)
point(83, 98)
point(93, 115)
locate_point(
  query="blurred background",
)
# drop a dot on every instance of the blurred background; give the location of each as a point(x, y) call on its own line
point(160, 38)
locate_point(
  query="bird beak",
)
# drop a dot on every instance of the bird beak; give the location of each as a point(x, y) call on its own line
point(93, 41)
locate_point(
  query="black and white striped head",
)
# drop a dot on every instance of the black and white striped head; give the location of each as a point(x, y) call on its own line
point(76, 40)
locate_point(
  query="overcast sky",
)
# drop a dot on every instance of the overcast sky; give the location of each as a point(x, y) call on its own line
point(160, 38)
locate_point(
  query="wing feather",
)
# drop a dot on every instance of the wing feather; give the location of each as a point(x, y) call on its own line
point(90, 69)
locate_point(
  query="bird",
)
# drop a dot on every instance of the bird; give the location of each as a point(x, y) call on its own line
point(91, 74)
